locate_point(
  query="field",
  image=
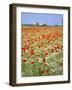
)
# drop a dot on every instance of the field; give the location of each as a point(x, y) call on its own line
point(42, 51)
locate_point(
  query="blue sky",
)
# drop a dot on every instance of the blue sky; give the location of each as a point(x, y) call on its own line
point(49, 19)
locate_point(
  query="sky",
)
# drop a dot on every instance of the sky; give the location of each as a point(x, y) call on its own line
point(49, 19)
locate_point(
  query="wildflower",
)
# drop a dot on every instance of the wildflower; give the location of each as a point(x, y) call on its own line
point(42, 71)
point(44, 60)
point(24, 49)
point(43, 36)
point(47, 71)
point(24, 60)
point(32, 62)
point(32, 52)
point(57, 46)
point(46, 54)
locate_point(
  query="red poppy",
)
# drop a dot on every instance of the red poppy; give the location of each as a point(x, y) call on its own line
point(46, 54)
point(32, 52)
point(24, 60)
point(43, 36)
point(24, 49)
point(32, 62)
point(44, 60)
point(47, 36)
point(52, 50)
point(42, 71)
point(57, 46)
point(47, 71)
point(28, 40)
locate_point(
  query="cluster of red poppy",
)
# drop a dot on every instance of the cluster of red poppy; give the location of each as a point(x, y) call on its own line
point(33, 40)
point(46, 71)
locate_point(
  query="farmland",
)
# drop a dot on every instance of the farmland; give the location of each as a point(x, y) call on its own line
point(41, 51)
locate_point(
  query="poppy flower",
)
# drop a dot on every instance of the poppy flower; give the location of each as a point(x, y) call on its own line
point(43, 36)
point(24, 60)
point(46, 54)
point(24, 49)
point(44, 60)
point(57, 46)
point(32, 52)
point(48, 37)
point(32, 62)
point(27, 40)
point(47, 71)
point(42, 71)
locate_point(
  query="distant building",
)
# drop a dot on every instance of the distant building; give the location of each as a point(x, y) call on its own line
point(39, 24)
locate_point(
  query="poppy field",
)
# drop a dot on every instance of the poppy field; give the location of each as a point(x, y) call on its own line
point(41, 51)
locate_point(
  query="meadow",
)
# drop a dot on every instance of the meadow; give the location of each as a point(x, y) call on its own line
point(41, 51)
